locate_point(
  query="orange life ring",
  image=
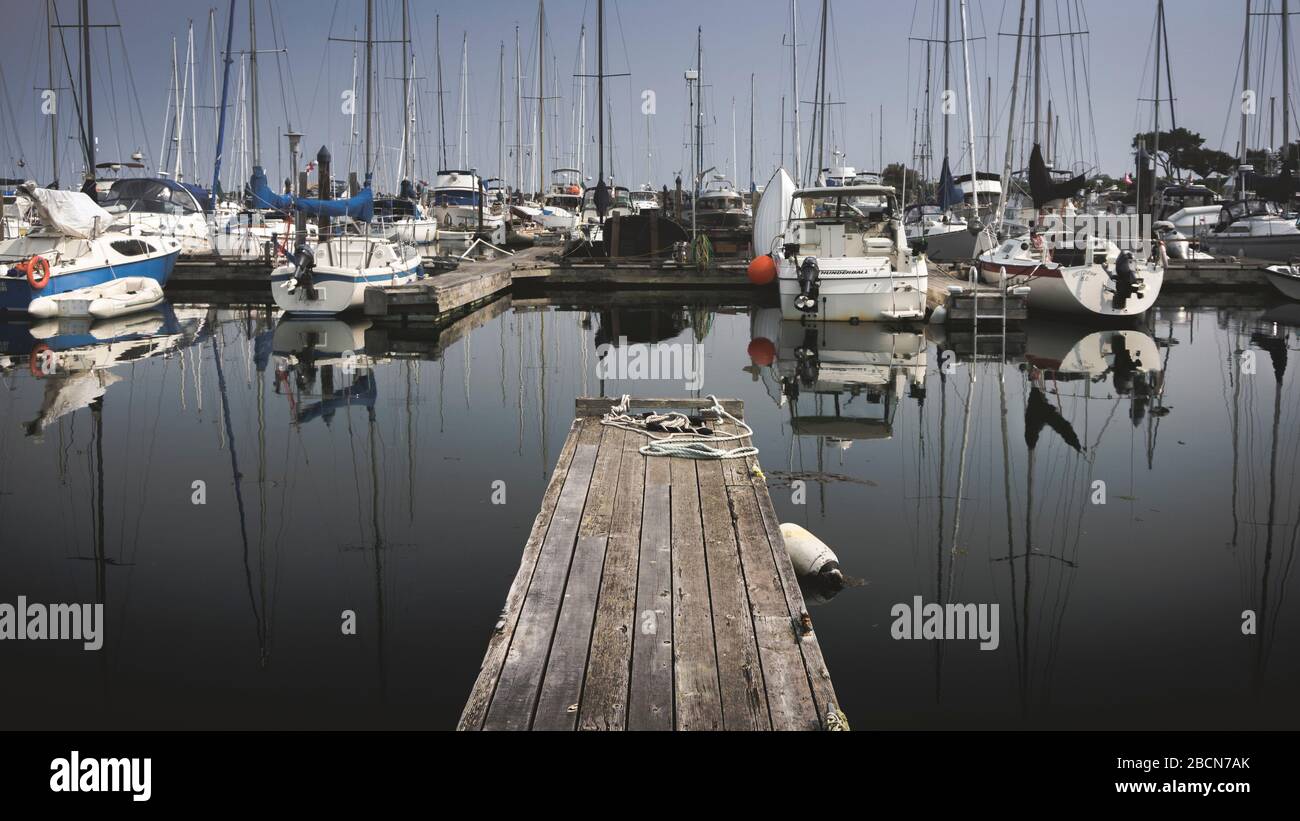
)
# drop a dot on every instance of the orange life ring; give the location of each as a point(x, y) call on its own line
point(34, 360)
point(30, 267)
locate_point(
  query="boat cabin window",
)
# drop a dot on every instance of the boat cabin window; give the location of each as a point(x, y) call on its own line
point(452, 197)
point(862, 211)
point(132, 247)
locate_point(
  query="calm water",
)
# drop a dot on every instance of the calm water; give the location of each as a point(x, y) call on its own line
point(362, 482)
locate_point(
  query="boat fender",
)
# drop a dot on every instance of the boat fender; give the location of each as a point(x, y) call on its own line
point(809, 554)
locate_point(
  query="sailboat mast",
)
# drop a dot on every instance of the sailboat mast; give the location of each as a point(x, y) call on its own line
point(820, 111)
point(252, 83)
point(519, 135)
point(1286, 81)
point(794, 82)
point(194, 121)
point(370, 80)
point(1245, 86)
point(54, 113)
point(86, 89)
point(751, 132)
point(970, 114)
point(1011, 120)
point(462, 136)
point(501, 110)
point(442, 123)
point(1155, 131)
point(1038, 62)
point(699, 107)
point(582, 100)
point(600, 88)
point(947, 79)
point(174, 143)
point(408, 157)
point(541, 98)
point(221, 113)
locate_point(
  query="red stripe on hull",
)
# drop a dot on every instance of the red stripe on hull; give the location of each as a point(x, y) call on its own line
point(1022, 270)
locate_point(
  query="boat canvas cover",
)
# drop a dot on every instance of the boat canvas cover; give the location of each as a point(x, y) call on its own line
point(360, 207)
point(1277, 188)
point(71, 213)
point(950, 193)
point(1041, 185)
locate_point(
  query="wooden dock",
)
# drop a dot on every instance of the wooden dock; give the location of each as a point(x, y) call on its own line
point(653, 593)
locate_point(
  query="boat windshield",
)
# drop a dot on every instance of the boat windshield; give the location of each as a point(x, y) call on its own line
point(858, 209)
point(148, 197)
point(452, 196)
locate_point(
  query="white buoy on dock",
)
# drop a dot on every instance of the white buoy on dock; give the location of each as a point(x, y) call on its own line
point(809, 554)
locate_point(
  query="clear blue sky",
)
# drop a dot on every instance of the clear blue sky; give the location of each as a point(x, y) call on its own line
point(872, 63)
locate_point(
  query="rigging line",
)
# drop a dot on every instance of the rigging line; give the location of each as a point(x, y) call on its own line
point(282, 55)
point(130, 76)
point(4, 86)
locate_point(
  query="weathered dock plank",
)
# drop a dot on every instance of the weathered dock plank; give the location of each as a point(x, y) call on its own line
point(604, 705)
point(481, 696)
point(557, 708)
point(650, 703)
point(695, 663)
point(654, 593)
point(515, 699)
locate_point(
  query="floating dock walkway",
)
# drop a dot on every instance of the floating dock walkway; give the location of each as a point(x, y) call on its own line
point(654, 593)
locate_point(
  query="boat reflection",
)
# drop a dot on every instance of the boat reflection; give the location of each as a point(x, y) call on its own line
point(75, 358)
point(840, 382)
point(322, 366)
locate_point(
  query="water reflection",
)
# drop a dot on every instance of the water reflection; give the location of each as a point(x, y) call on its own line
point(349, 466)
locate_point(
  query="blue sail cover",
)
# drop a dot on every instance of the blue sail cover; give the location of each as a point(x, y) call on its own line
point(360, 207)
point(949, 193)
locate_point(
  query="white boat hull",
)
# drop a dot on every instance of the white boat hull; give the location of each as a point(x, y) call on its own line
point(1083, 289)
point(1286, 279)
point(857, 298)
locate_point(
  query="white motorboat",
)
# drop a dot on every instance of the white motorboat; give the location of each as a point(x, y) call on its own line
point(459, 203)
point(844, 257)
point(1286, 278)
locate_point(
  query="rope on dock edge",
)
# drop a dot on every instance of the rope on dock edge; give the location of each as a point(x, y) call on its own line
point(680, 437)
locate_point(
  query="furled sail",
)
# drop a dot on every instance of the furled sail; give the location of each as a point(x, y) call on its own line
point(949, 192)
point(360, 207)
point(1041, 185)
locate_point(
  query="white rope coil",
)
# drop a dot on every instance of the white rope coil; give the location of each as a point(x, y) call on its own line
point(680, 438)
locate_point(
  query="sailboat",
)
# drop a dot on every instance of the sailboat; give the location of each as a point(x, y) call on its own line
point(332, 276)
point(1254, 226)
point(1067, 274)
point(75, 247)
point(1064, 273)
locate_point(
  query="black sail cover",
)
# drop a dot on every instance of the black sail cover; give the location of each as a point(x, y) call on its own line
point(1041, 185)
point(1277, 188)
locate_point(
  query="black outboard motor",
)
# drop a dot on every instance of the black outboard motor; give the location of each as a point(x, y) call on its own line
point(809, 286)
point(1126, 281)
point(807, 363)
point(304, 260)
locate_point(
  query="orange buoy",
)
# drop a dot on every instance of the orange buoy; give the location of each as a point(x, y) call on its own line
point(762, 270)
point(761, 351)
